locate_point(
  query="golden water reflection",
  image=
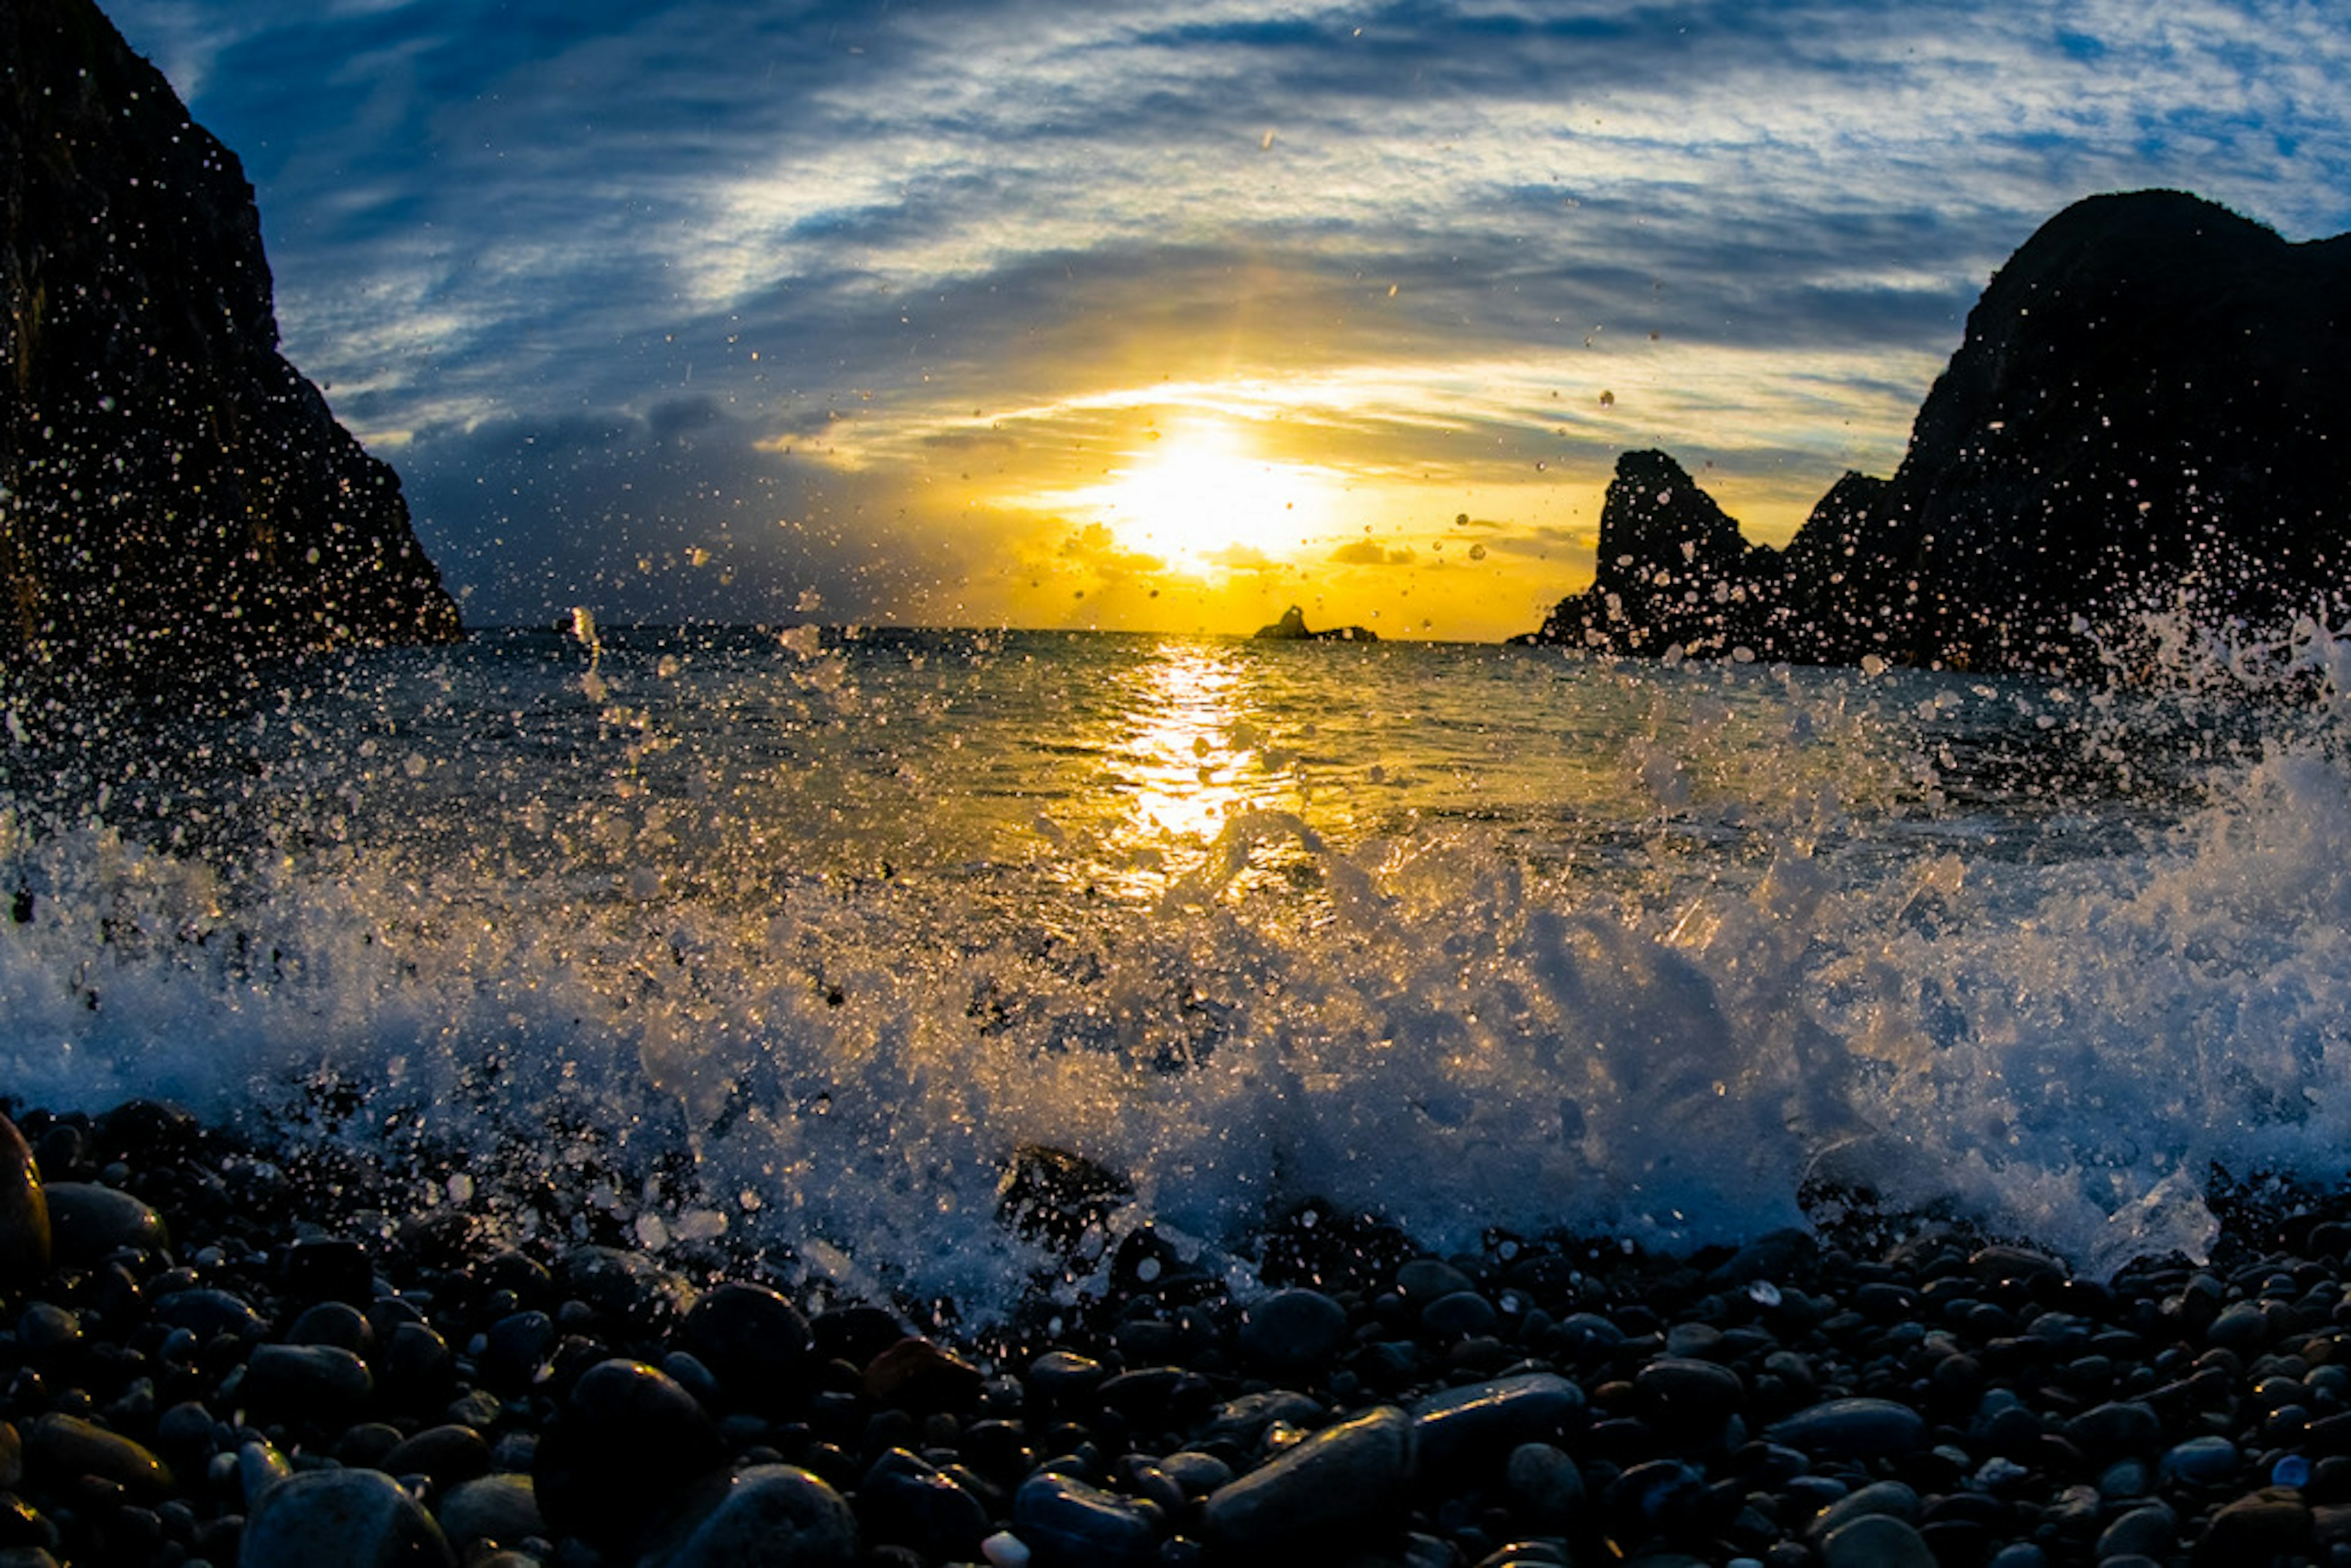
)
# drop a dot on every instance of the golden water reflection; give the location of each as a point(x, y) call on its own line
point(1185, 751)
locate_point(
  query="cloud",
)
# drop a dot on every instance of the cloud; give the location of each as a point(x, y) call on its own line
point(611, 282)
point(1368, 552)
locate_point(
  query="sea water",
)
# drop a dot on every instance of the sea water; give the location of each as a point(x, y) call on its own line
point(793, 941)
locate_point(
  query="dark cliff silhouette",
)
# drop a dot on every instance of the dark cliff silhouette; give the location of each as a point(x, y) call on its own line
point(174, 496)
point(1292, 628)
point(2148, 412)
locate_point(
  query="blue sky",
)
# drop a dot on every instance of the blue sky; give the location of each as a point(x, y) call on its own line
point(1165, 316)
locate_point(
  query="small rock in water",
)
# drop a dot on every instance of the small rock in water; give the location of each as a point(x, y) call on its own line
point(352, 1518)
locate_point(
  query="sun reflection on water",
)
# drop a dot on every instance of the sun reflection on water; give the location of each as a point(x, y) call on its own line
point(1185, 752)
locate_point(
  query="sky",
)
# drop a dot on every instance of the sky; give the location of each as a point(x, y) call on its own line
point(1164, 318)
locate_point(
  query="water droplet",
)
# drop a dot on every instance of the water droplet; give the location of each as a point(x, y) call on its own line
point(2292, 1471)
point(1763, 1293)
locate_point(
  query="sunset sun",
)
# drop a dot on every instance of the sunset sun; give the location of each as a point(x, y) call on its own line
point(1200, 498)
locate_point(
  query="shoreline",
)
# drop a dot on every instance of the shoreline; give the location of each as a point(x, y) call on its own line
point(293, 1357)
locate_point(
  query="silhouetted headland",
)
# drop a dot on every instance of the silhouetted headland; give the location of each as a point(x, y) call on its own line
point(174, 495)
point(2148, 413)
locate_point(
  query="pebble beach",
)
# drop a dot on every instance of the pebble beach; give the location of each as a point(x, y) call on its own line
point(210, 1354)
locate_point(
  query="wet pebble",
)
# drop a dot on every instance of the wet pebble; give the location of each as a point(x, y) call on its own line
point(321, 1383)
point(500, 1508)
point(1852, 1428)
point(754, 1341)
point(628, 1442)
point(1345, 1476)
point(25, 1234)
point(1292, 1330)
point(1876, 1541)
point(769, 1516)
point(87, 1221)
point(353, 1519)
point(1065, 1522)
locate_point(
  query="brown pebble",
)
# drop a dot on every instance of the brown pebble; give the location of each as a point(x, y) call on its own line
point(917, 1375)
point(2271, 1522)
point(24, 1211)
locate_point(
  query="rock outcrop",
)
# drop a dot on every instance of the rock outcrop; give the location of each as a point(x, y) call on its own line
point(1293, 628)
point(174, 496)
point(2149, 412)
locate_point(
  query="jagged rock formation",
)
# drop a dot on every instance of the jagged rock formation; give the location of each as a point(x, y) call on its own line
point(1292, 628)
point(2148, 412)
point(174, 496)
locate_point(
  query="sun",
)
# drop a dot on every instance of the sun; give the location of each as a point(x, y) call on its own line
point(1200, 499)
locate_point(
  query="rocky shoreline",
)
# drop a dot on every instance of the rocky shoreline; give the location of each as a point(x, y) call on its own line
point(212, 1354)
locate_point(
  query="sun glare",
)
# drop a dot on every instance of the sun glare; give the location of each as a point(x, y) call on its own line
point(1199, 500)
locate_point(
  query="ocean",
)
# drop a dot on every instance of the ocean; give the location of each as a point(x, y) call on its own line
point(794, 941)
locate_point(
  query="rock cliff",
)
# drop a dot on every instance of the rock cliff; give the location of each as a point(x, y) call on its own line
point(174, 496)
point(2147, 412)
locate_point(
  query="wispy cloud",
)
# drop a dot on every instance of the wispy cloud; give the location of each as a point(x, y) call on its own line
point(1412, 241)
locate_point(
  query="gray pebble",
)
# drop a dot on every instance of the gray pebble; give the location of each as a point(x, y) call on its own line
point(1293, 1330)
point(1547, 1481)
point(353, 1519)
point(1426, 1278)
point(498, 1508)
point(2149, 1531)
point(87, 1221)
point(1852, 1428)
point(1068, 1523)
point(1876, 1541)
point(1347, 1475)
point(1484, 1421)
point(770, 1516)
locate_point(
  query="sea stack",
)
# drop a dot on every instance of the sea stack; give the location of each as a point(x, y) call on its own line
point(174, 496)
point(2148, 413)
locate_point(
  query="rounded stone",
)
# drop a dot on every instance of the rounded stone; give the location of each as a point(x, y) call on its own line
point(87, 1222)
point(1876, 1541)
point(1483, 1421)
point(312, 1382)
point(1688, 1393)
point(1547, 1481)
point(2201, 1461)
point(445, 1455)
point(906, 1501)
point(1066, 1523)
point(25, 1235)
point(2149, 1531)
point(66, 1446)
point(770, 1516)
point(1851, 1428)
point(1293, 1330)
point(626, 1444)
point(208, 1313)
point(354, 1519)
point(1459, 1314)
point(333, 1323)
point(753, 1340)
point(1426, 1278)
point(1348, 1475)
point(500, 1508)
point(2118, 1427)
